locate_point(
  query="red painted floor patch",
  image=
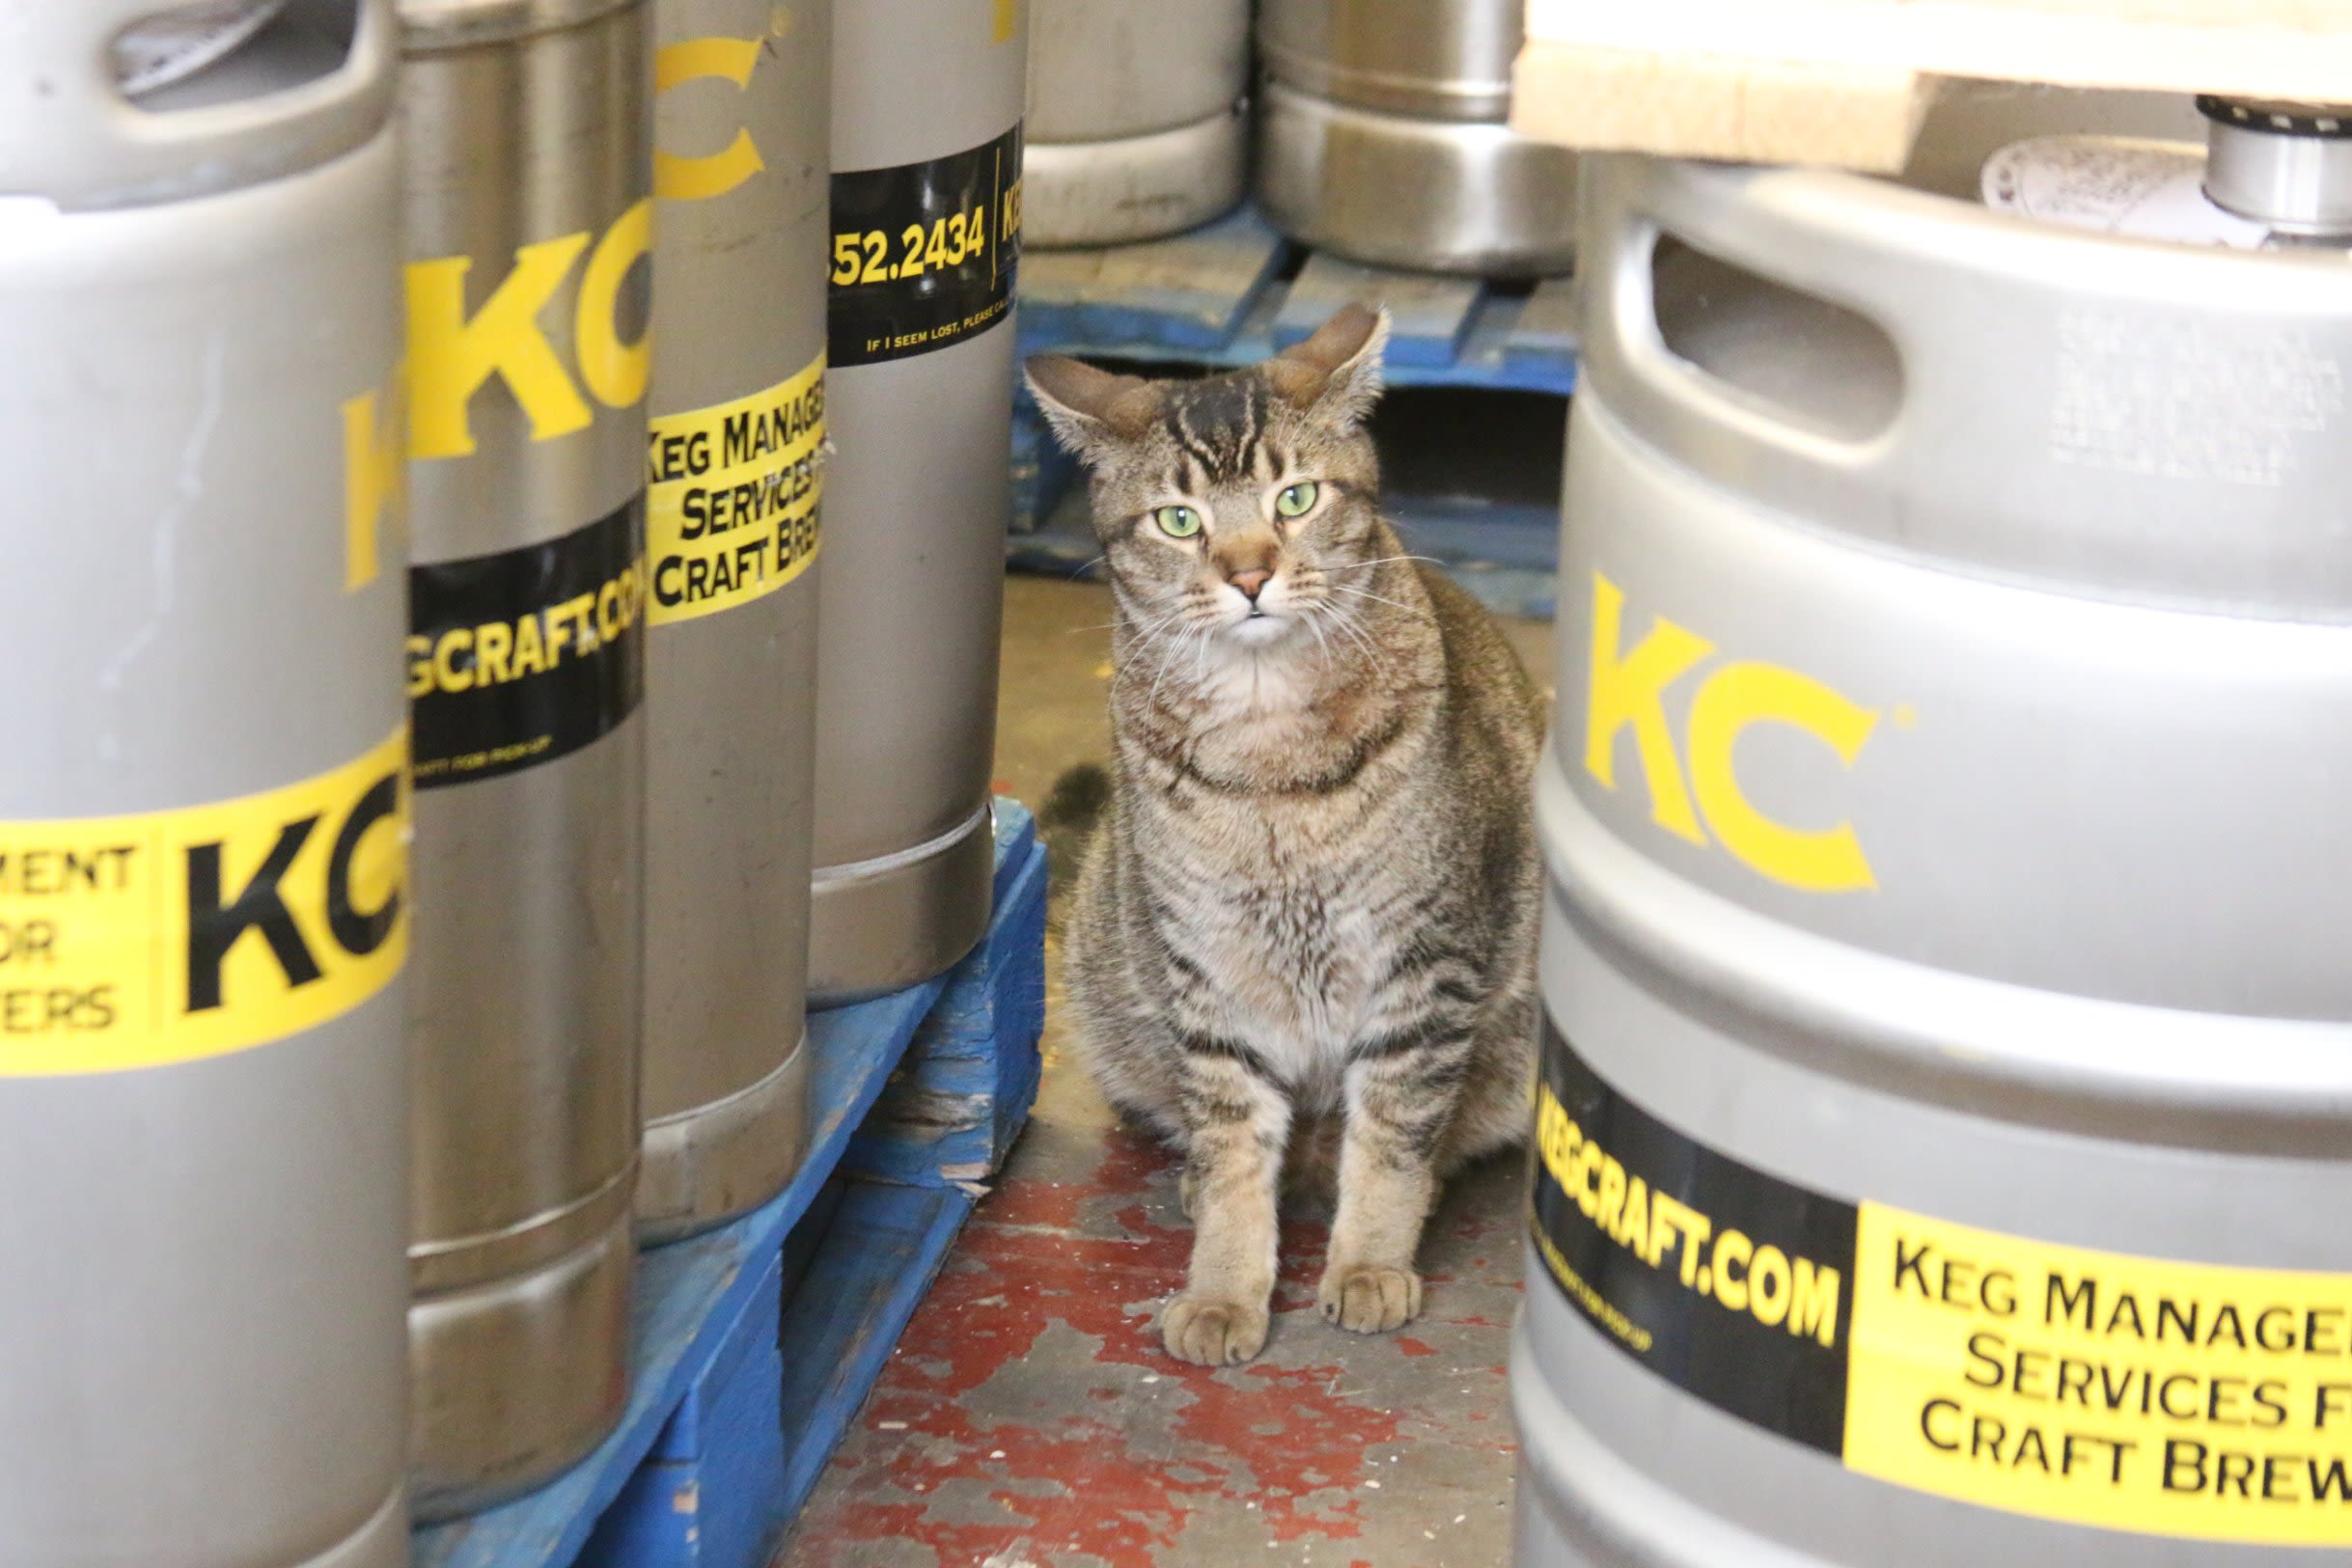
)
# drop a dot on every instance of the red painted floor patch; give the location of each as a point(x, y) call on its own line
point(1031, 1418)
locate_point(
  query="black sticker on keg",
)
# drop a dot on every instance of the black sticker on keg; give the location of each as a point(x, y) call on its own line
point(1727, 1282)
point(521, 657)
point(924, 254)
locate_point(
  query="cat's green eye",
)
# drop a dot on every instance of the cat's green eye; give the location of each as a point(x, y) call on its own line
point(1297, 500)
point(1178, 522)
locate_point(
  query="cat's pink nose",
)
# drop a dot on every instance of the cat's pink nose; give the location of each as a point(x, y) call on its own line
point(1250, 581)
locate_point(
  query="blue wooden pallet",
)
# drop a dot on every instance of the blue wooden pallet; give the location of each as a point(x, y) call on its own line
point(754, 1345)
point(1235, 292)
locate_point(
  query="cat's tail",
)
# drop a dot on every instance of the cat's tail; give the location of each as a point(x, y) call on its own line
point(1072, 811)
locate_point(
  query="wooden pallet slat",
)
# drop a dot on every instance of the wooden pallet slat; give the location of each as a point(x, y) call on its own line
point(1234, 291)
point(1546, 327)
point(1485, 342)
point(1187, 292)
point(1429, 314)
point(851, 1307)
point(949, 1115)
point(667, 1514)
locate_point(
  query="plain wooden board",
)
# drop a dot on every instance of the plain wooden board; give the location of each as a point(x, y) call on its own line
point(1708, 106)
point(1847, 82)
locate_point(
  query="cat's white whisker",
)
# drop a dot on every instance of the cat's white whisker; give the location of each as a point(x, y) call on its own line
point(1347, 625)
point(1315, 625)
point(1382, 561)
point(1363, 594)
point(1126, 617)
point(1147, 632)
point(1374, 650)
point(1131, 664)
point(1168, 660)
point(1126, 666)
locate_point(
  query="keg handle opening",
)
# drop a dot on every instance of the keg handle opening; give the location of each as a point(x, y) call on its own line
point(69, 132)
point(1817, 377)
point(1815, 364)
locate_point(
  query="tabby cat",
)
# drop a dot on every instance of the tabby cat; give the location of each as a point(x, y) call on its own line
point(1311, 908)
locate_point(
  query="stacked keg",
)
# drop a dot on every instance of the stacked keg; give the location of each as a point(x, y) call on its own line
point(927, 230)
point(530, 223)
point(1383, 138)
point(1948, 1048)
point(734, 458)
point(223, 992)
point(1137, 124)
point(205, 906)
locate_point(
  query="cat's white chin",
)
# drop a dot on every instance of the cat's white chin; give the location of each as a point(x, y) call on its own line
point(1256, 631)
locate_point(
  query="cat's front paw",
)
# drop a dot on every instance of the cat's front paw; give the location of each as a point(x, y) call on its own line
point(1210, 1333)
point(1367, 1298)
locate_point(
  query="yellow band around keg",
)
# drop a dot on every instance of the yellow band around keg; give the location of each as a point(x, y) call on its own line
point(732, 504)
point(130, 942)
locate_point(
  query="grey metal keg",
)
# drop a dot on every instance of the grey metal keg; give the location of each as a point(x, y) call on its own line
point(1138, 120)
point(1382, 137)
point(1947, 1093)
point(203, 899)
point(927, 229)
point(530, 212)
point(734, 461)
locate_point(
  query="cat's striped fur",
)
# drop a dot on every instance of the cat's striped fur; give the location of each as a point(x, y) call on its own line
point(1314, 897)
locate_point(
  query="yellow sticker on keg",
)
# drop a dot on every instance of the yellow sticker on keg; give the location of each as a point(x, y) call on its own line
point(142, 941)
point(2183, 1400)
point(2176, 1399)
point(732, 507)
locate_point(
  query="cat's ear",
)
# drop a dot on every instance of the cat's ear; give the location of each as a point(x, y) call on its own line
point(1337, 371)
point(1089, 409)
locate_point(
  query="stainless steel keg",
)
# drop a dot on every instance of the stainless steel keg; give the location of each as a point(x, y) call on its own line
point(927, 229)
point(1947, 1059)
point(1138, 122)
point(1382, 137)
point(734, 461)
point(204, 898)
point(530, 225)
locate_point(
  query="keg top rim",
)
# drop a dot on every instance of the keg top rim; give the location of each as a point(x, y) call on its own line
point(2279, 117)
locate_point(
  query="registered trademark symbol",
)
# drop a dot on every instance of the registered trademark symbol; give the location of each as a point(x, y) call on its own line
point(1905, 716)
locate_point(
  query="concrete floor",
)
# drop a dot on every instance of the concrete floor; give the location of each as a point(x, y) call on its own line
point(1030, 1419)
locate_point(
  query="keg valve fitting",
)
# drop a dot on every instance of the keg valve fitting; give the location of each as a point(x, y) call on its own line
point(2287, 166)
